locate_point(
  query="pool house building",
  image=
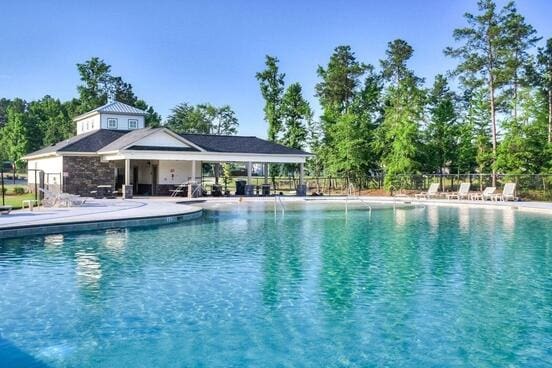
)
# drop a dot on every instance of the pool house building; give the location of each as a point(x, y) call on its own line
point(114, 149)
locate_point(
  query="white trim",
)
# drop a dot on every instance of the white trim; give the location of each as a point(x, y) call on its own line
point(204, 156)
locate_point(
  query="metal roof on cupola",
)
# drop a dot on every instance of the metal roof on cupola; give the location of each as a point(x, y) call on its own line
point(113, 107)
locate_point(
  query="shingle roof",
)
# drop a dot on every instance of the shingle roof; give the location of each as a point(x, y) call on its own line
point(115, 107)
point(87, 142)
point(128, 139)
point(240, 144)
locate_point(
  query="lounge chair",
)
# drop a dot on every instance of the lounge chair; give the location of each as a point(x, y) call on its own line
point(487, 194)
point(509, 192)
point(5, 210)
point(463, 192)
point(433, 191)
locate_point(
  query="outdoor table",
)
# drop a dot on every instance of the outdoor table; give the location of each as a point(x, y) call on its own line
point(104, 191)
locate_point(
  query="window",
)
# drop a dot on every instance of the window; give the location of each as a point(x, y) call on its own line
point(132, 123)
point(112, 123)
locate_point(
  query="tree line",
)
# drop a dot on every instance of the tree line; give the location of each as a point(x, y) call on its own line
point(383, 120)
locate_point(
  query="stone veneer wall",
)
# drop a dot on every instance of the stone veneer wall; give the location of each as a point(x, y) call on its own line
point(85, 173)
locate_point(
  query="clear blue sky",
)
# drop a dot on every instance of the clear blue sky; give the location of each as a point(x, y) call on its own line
point(209, 51)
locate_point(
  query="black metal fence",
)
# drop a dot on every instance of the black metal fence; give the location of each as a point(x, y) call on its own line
point(535, 187)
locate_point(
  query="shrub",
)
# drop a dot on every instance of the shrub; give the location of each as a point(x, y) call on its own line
point(19, 190)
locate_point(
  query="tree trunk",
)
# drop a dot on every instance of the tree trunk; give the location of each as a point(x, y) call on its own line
point(14, 172)
point(493, 125)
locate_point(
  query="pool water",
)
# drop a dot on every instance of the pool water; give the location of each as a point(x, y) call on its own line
point(243, 286)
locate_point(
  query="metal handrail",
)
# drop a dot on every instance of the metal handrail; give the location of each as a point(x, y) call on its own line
point(278, 200)
point(350, 191)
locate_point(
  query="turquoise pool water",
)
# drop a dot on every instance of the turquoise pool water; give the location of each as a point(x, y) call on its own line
point(416, 287)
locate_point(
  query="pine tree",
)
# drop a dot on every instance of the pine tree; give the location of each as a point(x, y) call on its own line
point(272, 87)
point(483, 57)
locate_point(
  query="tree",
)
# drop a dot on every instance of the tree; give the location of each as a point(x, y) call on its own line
point(442, 129)
point(272, 87)
point(99, 86)
point(223, 120)
point(52, 119)
point(185, 118)
point(483, 57)
point(296, 113)
point(14, 138)
point(152, 118)
point(520, 38)
point(543, 80)
point(478, 119)
point(399, 136)
point(340, 80)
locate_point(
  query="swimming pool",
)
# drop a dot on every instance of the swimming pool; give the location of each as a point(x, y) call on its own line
point(243, 286)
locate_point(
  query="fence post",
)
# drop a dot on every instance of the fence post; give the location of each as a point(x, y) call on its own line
point(2, 176)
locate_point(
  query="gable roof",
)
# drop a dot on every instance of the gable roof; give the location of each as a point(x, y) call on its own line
point(240, 144)
point(114, 107)
point(133, 138)
point(89, 142)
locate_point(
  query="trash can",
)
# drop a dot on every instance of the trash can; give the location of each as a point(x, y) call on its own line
point(249, 190)
point(216, 190)
point(301, 190)
point(240, 187)
point(265, 190)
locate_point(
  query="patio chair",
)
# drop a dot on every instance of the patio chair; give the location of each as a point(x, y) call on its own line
point(463, 192)
point(5, 210)
point(509, 192)
point(487, 194)
point(433, 191)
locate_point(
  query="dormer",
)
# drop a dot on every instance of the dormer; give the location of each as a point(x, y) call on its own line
point(113, 116)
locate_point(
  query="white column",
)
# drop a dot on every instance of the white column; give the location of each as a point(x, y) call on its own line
point(301, 173)
point(249, 173)
point(265, 170)
point(127, 172)
point(193, 171)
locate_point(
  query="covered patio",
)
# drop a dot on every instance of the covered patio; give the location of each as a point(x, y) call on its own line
point(166, 164)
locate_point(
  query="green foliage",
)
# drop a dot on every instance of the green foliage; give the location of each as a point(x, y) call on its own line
point(19, 190)
point(203, 119)
point(442, 130)
point(296, 113)
point(399, 137)
point(272, 87)
point(14, 138)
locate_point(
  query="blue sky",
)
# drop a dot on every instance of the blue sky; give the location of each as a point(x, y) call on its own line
point(209, 51)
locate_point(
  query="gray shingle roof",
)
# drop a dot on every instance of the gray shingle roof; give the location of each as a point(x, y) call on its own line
point(83, 143)
point(240, 144)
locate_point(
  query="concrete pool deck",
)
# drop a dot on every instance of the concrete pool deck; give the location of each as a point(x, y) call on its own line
point(143, 211)
point(95, 214)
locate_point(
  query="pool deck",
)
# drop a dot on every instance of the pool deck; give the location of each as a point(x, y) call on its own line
point(95, 214)
point(143, 211)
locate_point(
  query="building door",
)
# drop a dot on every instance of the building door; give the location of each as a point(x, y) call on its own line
point(135, 179)
point(153, 179)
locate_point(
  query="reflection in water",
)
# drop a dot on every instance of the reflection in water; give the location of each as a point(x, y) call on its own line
point(400, 217)
point(89, 271)
point(53, 241)
point(433, 217)
point(464, 219)
point(508, 220)
point(116, 240)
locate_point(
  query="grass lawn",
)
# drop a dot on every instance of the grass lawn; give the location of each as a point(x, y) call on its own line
point(15, 200)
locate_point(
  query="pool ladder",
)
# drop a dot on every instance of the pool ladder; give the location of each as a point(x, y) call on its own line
point(350, 195)
point(279, 203)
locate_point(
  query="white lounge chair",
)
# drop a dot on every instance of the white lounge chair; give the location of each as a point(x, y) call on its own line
point(509, 192)
point(5, 210)
point(487, 194)
point(433, 191)
point(463, 192)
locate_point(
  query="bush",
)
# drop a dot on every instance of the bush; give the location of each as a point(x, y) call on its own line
point(19, 190)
